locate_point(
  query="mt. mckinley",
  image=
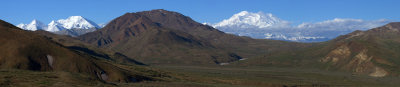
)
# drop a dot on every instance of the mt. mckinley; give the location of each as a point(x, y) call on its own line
point(73, 25)
point(267, 26)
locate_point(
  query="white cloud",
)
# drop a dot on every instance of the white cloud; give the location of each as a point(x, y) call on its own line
point(344, 24)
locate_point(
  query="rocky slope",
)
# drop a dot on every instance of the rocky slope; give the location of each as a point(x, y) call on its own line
point(372, 52)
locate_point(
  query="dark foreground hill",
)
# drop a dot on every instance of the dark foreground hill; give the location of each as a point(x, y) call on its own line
point(25, 50)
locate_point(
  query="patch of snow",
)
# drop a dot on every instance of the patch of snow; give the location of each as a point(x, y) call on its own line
point(103, 75)
point(242, 59)
point(50, 60)
point(223, 64)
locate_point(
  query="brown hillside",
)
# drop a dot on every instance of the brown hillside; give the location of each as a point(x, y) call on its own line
point(373, 52)
point(138, 37)
point(25, 50)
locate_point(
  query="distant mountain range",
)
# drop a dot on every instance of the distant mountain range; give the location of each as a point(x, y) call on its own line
point(73, 25)
point(267, 26)
point(255, 25)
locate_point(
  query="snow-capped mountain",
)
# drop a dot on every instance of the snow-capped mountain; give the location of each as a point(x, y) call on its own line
point(77, 22)
point(73, 25)
point(33, 26)
point(246, 19)
point(267, 26)
point(72, 22)
point(54, 26)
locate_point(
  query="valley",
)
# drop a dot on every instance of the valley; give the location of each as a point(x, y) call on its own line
point(278, 77)
point(203, 76)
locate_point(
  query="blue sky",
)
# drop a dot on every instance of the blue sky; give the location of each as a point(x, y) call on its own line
point(296, 11)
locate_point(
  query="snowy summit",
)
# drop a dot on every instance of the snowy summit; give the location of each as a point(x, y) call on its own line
point(72, 22)
point(33, 26)
point(246, 19)
point(77, 22)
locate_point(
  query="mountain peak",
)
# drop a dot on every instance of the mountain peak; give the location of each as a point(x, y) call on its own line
point(54, 26)
point(170, 19)
point(242, 13)
point(34, 25)
point(75, 17)
point(245, 19)
point(52, 22)
point(77, 22)
point(34, 21)
point(160, 10)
